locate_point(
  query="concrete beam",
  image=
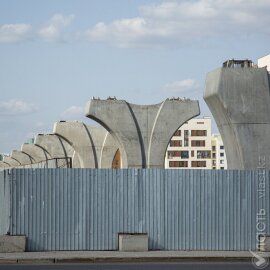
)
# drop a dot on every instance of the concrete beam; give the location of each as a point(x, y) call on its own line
point(240, 103)
point(38, 154)
point(22, 157)
point(11, 161)
point(94, 147)
point(56, 146)
point(142, 131)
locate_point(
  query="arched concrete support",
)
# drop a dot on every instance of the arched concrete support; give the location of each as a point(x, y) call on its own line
point(22, 157)
point(11, 161)
point(37, 153)
point(56, 146)
point(108, 151)
point(3, 164)
point(142, 131)
point(88, 143)
point(239, 99)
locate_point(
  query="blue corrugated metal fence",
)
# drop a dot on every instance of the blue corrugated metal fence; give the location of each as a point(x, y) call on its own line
point(85, 209)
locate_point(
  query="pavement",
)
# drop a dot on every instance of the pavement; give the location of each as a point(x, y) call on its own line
point(121, 257)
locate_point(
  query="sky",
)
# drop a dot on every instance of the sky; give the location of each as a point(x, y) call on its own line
point(56, 55)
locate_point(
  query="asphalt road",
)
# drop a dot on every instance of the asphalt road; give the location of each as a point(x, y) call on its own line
point(140, 266)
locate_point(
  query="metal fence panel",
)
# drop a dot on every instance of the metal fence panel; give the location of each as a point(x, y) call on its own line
point(4, 202)
point(85, 209)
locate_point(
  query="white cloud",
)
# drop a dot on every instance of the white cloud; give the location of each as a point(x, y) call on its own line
point(53, 30)
point(12, 33)
point(73, 112)
point(16, 107)
point(187, 85)
point(181, 22)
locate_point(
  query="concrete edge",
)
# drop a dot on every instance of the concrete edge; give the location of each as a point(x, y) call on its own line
point(112, 259)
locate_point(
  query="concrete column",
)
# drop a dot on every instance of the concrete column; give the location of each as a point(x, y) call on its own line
point(36, 153)
point(56, 146)
point(108, 151)
point(89, 143)
point(22, 157)
point(239, 99)
point(142, 131)
point(11, 161)
point(4, 165)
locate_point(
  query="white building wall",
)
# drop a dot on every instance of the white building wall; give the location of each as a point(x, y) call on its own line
point(213, 146)
point(264, 62)
point(196, 124)
point(218, 153)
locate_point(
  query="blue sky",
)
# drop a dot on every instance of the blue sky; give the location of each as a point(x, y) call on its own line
point(56, 55)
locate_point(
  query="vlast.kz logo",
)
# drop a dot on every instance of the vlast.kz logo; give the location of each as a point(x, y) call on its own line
point(260, 260)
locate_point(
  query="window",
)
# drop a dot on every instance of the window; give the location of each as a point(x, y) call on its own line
point(199, 163)
point(222, 147)
point(221, 161)
point(214, 168)
point(197, 143)
point(198, 132)
point(213, 148)
point(177, 133)
point(178, 164)
point(175, 143)
point(192, 153)
point(186, 133)
point(203, 154)
point(222, 168)
point(214, 163)
point(222, 154)
point(184, 154)
point(172, 154)
point(186, 142)
point(214, 155)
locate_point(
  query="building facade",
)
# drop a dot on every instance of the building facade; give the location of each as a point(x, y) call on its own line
point(219, 160)
point(264, 62)
point(194, 147)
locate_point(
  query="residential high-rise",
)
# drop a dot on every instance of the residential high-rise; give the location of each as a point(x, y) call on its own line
point(219, 160)
point(194, 147)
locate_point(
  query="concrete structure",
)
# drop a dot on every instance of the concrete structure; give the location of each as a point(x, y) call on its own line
point(56, 146)
point(142, 131)
point(11, 161)
point(219, 160)
point(190, 147)
point(37, 153)
point(12, 243)
point(3, 164)
point(264, 62)
point(133, 242)
point(94, 146)
point(239, 100)
point(21, 157)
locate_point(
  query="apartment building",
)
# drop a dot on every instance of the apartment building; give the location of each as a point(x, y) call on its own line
point(264, 62)
point(194, 147)
point(190, 147)
point(219, 160)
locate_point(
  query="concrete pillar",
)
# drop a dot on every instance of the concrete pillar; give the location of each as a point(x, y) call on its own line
point(56, 146)
point(4, 165)
point(142, 131)
point(108, 151)
point(21, 157)
point(91, 144)
point(11, 161)
point(239, 99)
point(37, 153)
